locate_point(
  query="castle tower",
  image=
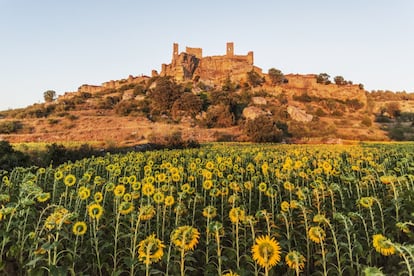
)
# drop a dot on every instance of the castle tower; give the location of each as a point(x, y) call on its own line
point(175, 51)
point(230, 49)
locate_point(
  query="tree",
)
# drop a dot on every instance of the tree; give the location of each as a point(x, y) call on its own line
point(323, 78)
point(187, 104)
point(49, 96)
point(339, 80)
point(276, 76)
point(165, 93)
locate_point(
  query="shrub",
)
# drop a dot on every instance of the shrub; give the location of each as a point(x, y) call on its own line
point(219, 116)
point(366, 121)
point(264, 129)
point(8, 127)
point(10, 158)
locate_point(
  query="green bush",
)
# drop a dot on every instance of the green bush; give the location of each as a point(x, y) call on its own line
point(8, 127)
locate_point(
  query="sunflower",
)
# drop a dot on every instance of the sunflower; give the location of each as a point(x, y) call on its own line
point(146, 212)
point(317, 234)
point(262, 187)
point(186, 188)
point(79, 228)
point(175, 177)
point(126, 207)
point(58, 175)
point(119, 190)
point(127, 197)
point(207, 184)
point(136, 186)
point(236, 215)
point(230, 273)
point(98, 197)
point(148, 189)
point(84, 192)
point(158, 197)
point(288, 186)
point(284, 206)
point(210, 212)
point(95, 211)
point(110, 187)
point(185, 237)
point(366, 202)
point(43, 197)
point(169, 200)
point(248, 185)
point(150, 250)
point(266, 251)
point(294, 204)
point(295, 260)
point(383, 245)
point(388, 179)
point(69, 180)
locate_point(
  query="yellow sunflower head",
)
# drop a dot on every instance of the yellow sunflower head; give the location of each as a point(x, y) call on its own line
point(317, 234)
point(148, 189)
point(295, 260)
point(146, 212)
point(210, 212)
point(84, 193)
point(98, 197)
point(236, 215)
point(42, 197)
point(169, 200)
point(126, 207)
point(158, 197)
point(79, 228)
point(366, 202)
point(266, 251)
point(69, 180)
point(185, 237)
point(383, 245)
point(95, 211)
point(150, 250)
point(119, 190)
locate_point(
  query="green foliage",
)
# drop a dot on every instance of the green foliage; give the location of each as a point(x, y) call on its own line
point(265, 129)
point(276, 76)
point(218, 116)
point(172, 140)
point(7, 127)
point(187, 104)
point(323, 78)
point(49, 96)
point(339, 80)
point(10, 158)
point(165, 93)
point(124, 108)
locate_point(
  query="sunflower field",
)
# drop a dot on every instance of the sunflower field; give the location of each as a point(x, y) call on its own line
point(222, 209)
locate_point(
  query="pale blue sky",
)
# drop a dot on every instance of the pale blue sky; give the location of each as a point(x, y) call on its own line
point(60, 45)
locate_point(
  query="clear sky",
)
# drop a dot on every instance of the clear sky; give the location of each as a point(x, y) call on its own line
point(60, 45)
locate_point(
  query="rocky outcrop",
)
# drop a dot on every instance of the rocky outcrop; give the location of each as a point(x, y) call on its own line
point(259, 101)
point(252, 112)
point(190, 65)
point(299, 115)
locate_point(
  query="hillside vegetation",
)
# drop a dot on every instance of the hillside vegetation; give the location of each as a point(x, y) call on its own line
point(264, 108)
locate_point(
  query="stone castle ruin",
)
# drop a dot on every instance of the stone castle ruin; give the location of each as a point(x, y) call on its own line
point(191, 65)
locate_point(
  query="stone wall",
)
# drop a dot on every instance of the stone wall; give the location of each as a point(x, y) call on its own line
point(212, 69)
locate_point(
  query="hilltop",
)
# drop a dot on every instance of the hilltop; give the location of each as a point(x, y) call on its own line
point(215, 98)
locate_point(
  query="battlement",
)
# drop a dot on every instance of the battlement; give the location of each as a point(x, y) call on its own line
point(191, 63)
